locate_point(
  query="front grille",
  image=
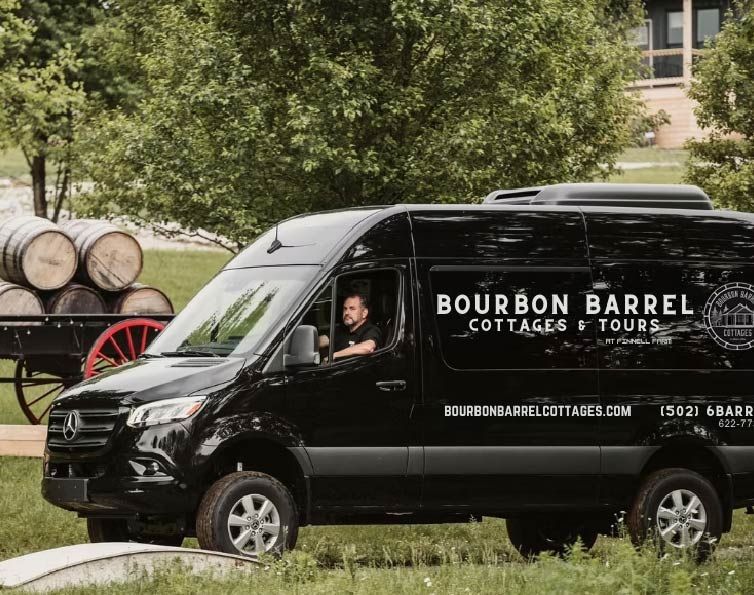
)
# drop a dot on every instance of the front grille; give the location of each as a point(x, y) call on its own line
point(95, 428)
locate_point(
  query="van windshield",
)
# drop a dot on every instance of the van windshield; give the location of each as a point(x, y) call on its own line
point(233, 312)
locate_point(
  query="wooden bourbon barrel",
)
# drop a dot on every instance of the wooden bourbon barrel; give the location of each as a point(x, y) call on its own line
point(15, 299)
point(75, 299)
point(36, 253)
point(141, 299)
point(109, 258)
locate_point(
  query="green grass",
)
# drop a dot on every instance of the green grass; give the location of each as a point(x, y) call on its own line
point(653, 154)
point(397, 559)
point(13, 165)
point(662, 174)
point(650, 175)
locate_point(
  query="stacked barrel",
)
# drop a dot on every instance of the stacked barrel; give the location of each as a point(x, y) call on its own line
point(82, 266)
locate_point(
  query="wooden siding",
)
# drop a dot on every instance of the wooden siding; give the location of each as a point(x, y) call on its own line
point(680, 108)
point(22, 441)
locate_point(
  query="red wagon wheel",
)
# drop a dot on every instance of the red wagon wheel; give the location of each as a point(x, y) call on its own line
point(35, 390)
point(121, 343)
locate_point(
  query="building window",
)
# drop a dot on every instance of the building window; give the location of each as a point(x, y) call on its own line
point(641, 37)
point(675, 29)
point(707, 24)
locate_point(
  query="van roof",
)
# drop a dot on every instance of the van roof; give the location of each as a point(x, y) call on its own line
point(303, 239)
point(590, 194)
point(314, 238)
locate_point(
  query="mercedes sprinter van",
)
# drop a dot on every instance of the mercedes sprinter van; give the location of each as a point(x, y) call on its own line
point(555, 356)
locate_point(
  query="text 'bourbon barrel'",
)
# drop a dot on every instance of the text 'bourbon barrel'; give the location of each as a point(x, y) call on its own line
point(75, 299)
point(109, 258)
point(17, 300)
point(36, 253)
point(141, 299)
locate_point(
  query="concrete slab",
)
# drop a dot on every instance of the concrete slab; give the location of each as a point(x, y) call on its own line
point(104, 563)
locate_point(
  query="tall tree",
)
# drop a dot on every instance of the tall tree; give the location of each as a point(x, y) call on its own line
point(48, 77)
point(723, 163)
point(253, 112)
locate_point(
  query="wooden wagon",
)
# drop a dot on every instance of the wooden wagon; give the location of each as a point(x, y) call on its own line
point(54, 352)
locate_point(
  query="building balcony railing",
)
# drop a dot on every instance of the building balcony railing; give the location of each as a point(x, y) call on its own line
point(663, 67)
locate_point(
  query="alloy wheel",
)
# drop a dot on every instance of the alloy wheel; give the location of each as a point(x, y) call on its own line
point(681, 518)
point(253, 524)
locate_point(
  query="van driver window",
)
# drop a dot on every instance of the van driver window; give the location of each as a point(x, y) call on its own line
point(365, 314)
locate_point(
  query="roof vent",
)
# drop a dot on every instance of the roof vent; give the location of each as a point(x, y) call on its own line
point(653, 196)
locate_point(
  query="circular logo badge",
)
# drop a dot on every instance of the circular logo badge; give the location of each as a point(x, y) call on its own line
point(71, 426)
point(729, 316)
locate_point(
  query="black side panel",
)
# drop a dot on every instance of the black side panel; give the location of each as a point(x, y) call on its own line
point(678, 361)
point(709, 237)
point(495, 462)
point(499, 234)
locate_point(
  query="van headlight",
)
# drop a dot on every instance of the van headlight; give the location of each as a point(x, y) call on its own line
point(163, 412)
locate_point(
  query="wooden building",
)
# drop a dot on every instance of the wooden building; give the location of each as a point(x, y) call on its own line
point(673, 35)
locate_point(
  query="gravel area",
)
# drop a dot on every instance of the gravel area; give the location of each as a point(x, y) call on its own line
point(16, 199)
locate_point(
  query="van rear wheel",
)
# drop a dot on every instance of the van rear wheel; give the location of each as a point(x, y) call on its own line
point(247, 513)
point(532, 536)
point(677, 509)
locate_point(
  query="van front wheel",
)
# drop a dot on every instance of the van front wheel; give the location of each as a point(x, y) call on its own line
point(247, 513)
point(532, 536)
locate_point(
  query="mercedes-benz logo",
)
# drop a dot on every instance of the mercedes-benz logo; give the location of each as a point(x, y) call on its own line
point(71, 426)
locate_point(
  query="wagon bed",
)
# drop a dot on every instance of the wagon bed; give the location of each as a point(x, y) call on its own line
point(54, 352)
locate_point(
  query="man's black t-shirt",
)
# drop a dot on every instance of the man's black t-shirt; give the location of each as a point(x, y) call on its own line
point(345, 338)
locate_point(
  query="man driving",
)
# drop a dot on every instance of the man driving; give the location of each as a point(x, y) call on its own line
point(356, 336)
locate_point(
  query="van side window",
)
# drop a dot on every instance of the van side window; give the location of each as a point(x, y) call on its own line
point(366, 307)
point(635, 235)
point(320, 316)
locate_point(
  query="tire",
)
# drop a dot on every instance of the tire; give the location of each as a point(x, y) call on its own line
point(104, 530)
point(243, 495)
point(532, 536)
point(674, 489)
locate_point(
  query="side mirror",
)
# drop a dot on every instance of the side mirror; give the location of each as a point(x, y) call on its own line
point(303, 347)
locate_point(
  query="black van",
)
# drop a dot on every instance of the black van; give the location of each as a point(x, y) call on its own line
point(555, 356)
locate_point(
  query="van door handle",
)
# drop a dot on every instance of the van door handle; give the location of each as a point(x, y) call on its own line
point(391, 385)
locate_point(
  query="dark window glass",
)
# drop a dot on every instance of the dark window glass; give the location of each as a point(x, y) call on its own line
point(674, 28)
point(718, 238)
point(629, 235)
point(234, 311)
point(496, 340)
point(498, 234)
point(380, 292)
point(390, 238)
point(319, 315)
point(707, 24)
point(640, 36)
point(669, 237)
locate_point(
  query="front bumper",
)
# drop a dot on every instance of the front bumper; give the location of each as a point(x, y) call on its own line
point(114, 481)
point(125, 496)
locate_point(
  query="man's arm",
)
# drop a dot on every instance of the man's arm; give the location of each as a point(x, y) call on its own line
point(362, 348)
